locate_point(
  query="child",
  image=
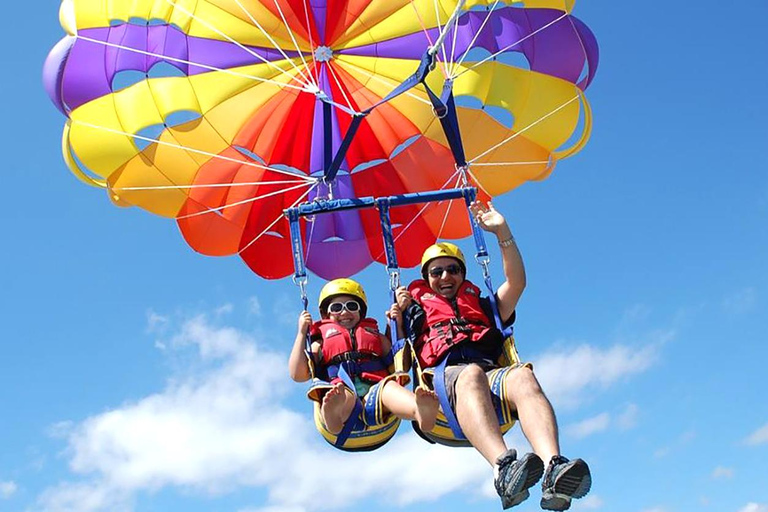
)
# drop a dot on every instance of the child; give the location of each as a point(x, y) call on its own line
point(345, 338)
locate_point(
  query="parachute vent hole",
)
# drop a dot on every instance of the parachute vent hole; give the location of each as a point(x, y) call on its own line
point(164, 70)
point(402, 147)
point(148, 135)
point(250, 154)
point(274, 234)
point(126, 78)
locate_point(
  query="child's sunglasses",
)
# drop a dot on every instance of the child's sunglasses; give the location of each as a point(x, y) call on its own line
point(438, 271)
point(337, 307)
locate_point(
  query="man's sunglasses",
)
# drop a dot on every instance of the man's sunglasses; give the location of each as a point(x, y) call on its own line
point(337, 307)
point(438, 271)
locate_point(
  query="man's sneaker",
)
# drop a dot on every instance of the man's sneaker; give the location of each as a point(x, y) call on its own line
point(515, 477)
point(563, 481)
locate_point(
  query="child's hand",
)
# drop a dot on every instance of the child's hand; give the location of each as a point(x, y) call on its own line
point(403, 297)
point(305, 320)
point(395, 313)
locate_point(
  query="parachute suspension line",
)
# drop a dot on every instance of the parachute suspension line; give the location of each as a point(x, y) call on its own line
point(456, 66)
point(388, 81)
point(331, 71)
point(439, 46)
point(236, 43)
point(209, 185)
point(512, 45)
point(246, 163)
point(268, 228)
point(275, 45)
point(504, 164)
point(293, 38)
point(516, 134)
point(311, 45)
point(197, 64)
point(240, 203)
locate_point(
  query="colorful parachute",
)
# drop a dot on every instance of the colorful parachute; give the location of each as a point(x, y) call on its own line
point(222, 113)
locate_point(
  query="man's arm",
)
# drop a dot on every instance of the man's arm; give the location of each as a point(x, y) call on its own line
point(514, 271)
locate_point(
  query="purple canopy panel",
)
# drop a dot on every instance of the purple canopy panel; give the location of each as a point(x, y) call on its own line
point(347, 252)
point(53, 71)
point(319, 11)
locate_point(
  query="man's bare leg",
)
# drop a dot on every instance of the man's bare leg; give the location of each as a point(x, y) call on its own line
point(537, 419)
point(338, 403)
point(476, 415)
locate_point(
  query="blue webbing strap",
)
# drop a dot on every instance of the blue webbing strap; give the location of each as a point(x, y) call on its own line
point(438, 382)
point(354, 417)
point(393, 268)
point(425, 66)
point(445, 108)
point(330, 172)
point(327, 136)
point(299, 267)
point(484, 260)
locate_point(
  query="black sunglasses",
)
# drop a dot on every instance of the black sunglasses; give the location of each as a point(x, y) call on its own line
point(337, 307)
point(438, 271)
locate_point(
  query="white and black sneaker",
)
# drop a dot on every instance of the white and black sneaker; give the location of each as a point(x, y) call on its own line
point(563, 481)
point(515, 477)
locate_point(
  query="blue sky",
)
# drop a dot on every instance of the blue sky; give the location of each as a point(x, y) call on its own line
point(137, 375)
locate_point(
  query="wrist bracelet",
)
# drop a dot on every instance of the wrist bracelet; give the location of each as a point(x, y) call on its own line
point(508, 242)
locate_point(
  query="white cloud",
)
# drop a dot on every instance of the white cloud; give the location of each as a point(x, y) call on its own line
point(7, 489)
point(566, 375)
point(224, 309)
point(156, 322)
point(754, 507)
point(224, 426)
point(254, 306)
point(589, 426)
point(721, 472)
point(590, 502)
point(759, 436)
point(627, 419)
point(740, 302)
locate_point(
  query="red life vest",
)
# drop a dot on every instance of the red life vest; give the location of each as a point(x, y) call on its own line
point(445, 327)
point(360, 345)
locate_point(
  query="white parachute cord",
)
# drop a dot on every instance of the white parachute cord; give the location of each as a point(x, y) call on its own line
point(474, 40)
point(197, 151)
point(329, 67)
point(175, 5)
point(516, 134)
point(240, 203)
point(312, 45)
point(507, 164)
point(191, 63)
point(274, 43)
point(510, 46)
point(210, 185)
point(281, 216)
point(293, 38)
point(385, 80)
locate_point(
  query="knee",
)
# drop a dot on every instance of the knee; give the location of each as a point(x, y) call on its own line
point(472, 377)
point(523, 381)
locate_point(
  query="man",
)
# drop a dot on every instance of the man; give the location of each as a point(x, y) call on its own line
point(449, 320)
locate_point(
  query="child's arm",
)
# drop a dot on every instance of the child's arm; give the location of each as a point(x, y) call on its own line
point(298, 366)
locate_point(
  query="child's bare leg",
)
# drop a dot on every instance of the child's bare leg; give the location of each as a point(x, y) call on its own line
point(337, 405)
point(420, 406)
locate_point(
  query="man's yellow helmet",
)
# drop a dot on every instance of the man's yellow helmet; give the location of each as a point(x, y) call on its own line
point(442, 250)
point(342, 286)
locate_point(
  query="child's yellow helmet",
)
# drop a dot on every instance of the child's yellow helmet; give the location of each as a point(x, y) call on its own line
point(342, 286)
point(442, 250)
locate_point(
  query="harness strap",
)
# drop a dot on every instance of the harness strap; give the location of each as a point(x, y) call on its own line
point(438, 382)
point(354, 421)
